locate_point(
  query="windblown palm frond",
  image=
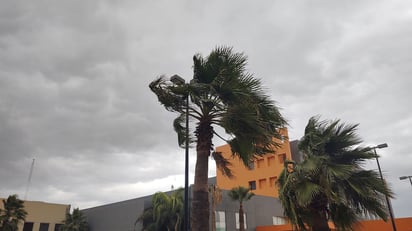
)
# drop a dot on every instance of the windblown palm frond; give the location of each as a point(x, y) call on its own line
point(331, 183)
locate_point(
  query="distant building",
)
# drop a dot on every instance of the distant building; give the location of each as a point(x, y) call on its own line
point(120, 216)
point(42, 216)
point(263, 209)
point(260, 210)
point(261, 174)
point(297, 156)
point(262, 213)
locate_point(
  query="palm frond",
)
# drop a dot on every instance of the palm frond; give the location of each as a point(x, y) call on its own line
point(180, 129)
point(222, 164)
point(343, 216)
point(331, 178)
point(306, 191)
point(240, 194)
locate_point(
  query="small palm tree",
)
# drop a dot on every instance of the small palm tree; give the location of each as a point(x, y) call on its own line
point(166, 212)
point(147, 220)
point(241, 194)
point(330, 184)
point(75, 222)
point(220, 94)
point(12, 213)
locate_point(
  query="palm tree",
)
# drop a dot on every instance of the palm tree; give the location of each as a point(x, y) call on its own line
point(222, 94)
point(331, 184)
point(75, 222)
point(147, 220)
point(12, 213)
point(241, 194)
point(166, 212)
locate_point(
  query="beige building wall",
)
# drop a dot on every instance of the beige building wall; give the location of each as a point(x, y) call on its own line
point(38, 213)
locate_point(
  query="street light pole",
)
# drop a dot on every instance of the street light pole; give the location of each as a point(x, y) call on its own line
point(186, 225)
point(180, 81)
point(388, 202)
point(406, 177)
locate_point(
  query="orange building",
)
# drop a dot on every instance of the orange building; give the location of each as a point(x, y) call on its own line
point(402, 224)
point(261, 174)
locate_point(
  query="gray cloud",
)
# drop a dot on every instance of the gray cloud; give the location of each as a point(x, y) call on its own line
point(74, 85)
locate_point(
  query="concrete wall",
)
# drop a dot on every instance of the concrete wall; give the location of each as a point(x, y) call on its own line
point(120, 216)
point(259, 210)
point(296, 155)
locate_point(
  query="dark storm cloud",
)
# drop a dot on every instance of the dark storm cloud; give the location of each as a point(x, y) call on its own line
point(70, 99)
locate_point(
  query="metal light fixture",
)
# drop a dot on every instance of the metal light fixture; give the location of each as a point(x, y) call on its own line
point(406, 177)
point(388, 202)
point(176, 79)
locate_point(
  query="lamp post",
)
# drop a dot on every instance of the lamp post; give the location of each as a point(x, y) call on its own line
point(388, 202)
point(406, 177)
point(180, 81)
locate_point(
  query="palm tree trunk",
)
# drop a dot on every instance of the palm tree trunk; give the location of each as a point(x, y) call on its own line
point(200, 202)
point(320, 221)
point(241, 218)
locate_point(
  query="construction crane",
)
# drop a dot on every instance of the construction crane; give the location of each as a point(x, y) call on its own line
point(29, 180)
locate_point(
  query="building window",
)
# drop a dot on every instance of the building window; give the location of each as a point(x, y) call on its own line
point(252, 185)
point(282, 158)
point(28, 226)
point(279, 220)
point(272, 181)
point(262, 183)
point(57, 227)
point(44, 227)
point(271, 161)
point(220, 221)
point(237, 221)
point(251, 165)
point(260, 163)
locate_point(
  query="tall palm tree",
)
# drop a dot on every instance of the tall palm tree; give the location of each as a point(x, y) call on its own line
point(331, 184)
point(222, 94)
point(12, 213)
point(241, 194)
point(75, 221)
point(166, 212)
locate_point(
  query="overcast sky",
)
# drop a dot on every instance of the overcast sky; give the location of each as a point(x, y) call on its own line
point(74, 81)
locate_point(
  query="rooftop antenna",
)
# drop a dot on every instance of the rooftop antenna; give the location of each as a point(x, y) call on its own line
point(29, 180)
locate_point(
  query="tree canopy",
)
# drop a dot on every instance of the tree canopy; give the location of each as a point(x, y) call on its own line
point(331, 183)
point(12, 213)
point(241, 194)
point(75, 221)
point(166, 212)
point(221, 94)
